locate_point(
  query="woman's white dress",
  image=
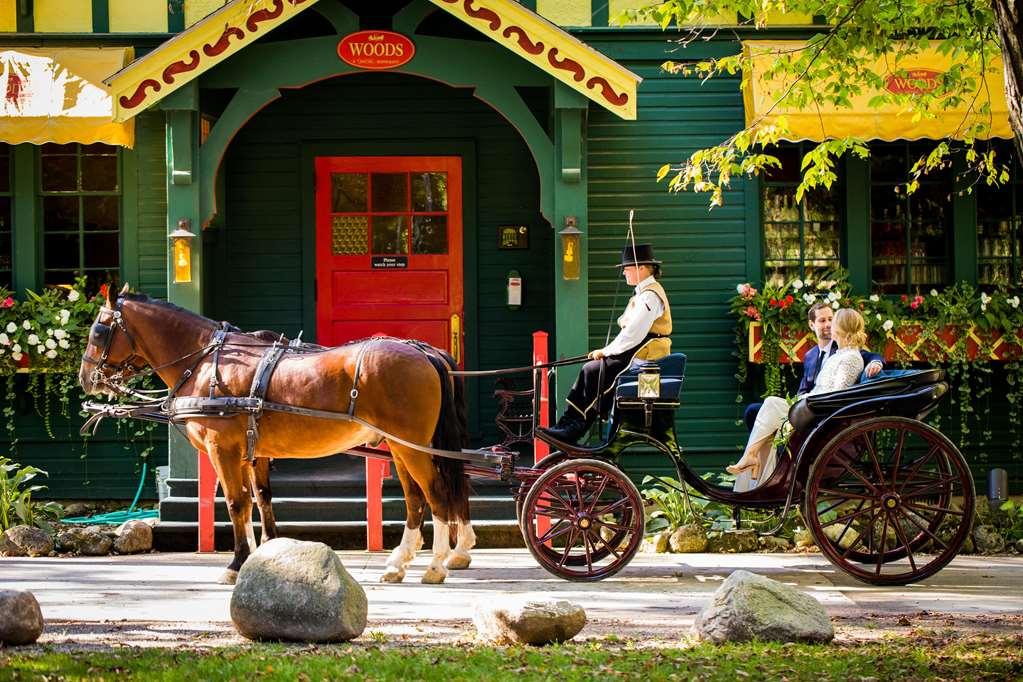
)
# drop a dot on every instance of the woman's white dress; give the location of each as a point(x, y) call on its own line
point(840, 371)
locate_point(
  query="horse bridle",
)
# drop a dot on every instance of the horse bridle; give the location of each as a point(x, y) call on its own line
point(102, 336)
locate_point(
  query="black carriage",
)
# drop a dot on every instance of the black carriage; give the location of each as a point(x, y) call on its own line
point(887, 498)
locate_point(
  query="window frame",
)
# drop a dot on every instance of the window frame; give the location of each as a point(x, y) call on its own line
point(1015, 217)
point(7, 274)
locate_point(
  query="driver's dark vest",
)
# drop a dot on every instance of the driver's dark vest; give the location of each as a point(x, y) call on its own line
point(656, 348)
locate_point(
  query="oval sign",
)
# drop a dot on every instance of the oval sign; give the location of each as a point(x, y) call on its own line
point(915, 82)
point(376, 49)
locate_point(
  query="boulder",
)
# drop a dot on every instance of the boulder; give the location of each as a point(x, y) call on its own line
point(76, 509)
point(21, 621)
point(515, 620)
point(847, 537)
point(731, 542)
point(30, 541)
point(1018, 546)
point(297, 591)
point(134, 537)
point(772, 543)
point(85, 541)
point(688, 539)
point(658, 542)
point(8, 548)
point(988, 540)
point(803, 538)
point(749, 606)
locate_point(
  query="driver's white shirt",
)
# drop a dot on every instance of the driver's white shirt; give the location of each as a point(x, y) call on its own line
point(636, 320)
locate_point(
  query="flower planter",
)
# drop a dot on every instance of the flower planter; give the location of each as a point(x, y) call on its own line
point(903, 344)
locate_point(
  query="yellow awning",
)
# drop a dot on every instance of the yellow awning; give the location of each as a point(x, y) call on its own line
point(888, 122)
point(58, 95)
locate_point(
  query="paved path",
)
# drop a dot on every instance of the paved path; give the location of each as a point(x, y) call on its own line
point(655, 597)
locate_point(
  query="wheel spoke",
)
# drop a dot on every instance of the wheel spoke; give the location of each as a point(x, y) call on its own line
point(873, 457)
point(901, 534)
point(852, 515)
point(916, 466)
point(596, 496)
point(553, 502)
point(916, 523)
point(864, 539)
point(611, 507)
point(927, 507)
point(884, 543)
point(917, 492)
point(834, 506)
point(848, 524)
point(568, 548)
point(555, 531)
point(898, 455)
point(858, 475)
point(846, 495)
point(614, 526)
point(586, 549)
point(606, 544)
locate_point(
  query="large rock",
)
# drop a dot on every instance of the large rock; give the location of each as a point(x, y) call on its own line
point(21, 621)
point(773, 543)
point(524, 621)
point(299, 591)
point(89, 541)
point(734, 541)
point(8, 548)
point(749, 606)
point(988, 540)
point(30, 540)
point(134, 537)
point(689, 539)
point(658, 542)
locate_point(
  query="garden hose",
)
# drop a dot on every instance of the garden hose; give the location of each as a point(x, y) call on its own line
point(116, 518)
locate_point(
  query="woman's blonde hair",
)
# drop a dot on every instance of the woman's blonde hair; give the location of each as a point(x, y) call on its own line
point(849, 324)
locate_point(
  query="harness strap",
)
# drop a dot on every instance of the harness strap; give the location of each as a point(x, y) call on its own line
point(260, 383)
point(354, 395)
point(219, 336)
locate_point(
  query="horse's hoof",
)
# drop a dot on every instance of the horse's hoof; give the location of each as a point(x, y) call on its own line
point(457, 561)
point(434, 576)
point(392, 576)
point(230, 577)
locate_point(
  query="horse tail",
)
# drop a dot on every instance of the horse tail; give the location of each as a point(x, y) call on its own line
point(451, 433)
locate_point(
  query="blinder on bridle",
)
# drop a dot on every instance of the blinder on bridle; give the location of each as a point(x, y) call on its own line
point(101, 336)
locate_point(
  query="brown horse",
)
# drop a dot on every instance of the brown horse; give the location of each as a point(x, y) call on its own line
point(404, 390)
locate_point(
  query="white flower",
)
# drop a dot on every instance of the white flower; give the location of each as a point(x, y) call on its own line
point(797, 284)
point(65, 315)
point(4, 339)
point(51, 344)
point(26, 325)
point(887, 326)
point(879, 316)
point(51, 354)
point(16, 348)
point(835, 305)
point(834, 296)
point(16, 356)
point(874, 298)
point(984, 298)
point(33, 340)
point(73, 295)
point(826, 284)
point(1014, 301)
point(808, 283)
point(60, 333)
point(64, 344)
point(934, 292)
point(738, 288)
point(11, 327)
point(2, 351)
point(40, 349)
point(49, 332)
point(809, 298)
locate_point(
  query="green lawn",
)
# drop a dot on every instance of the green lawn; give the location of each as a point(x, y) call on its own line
point(918, 656)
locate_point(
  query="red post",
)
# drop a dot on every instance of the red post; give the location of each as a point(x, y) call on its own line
point(207, 491)
point(540, 448)
point(376, 471)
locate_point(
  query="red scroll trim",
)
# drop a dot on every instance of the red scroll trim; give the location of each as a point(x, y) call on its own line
point(566, 64)
point(140, 94)
point(523, 39)
point(607, 92)
point(225, 40)
point(181, 66)
point(264, 15)
point(487, 15)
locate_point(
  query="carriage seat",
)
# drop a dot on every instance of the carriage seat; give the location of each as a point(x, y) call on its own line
point(671, 370)
point(887, 383)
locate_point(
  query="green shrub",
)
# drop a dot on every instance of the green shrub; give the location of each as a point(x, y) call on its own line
point(16, 505)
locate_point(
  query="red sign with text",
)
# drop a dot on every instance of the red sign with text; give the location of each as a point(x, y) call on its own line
point(376, 49)
point(915, 82)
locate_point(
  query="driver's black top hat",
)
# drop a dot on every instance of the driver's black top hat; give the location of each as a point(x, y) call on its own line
point(643, 254)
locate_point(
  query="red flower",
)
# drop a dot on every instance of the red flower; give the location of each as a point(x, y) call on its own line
point(905, 298)
point(752, 312)
point(7, 302)
point(774, 303)
point(104, 290)
point(915, 304)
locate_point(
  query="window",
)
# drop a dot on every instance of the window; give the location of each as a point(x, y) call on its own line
point(999, 224)
point(909, 234)
point(81, 213)
point(800, 239)
point(6, 219)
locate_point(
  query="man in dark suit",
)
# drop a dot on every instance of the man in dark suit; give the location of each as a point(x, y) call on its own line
point(819, 317)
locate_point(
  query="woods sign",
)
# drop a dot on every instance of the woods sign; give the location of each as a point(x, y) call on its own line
point(376, 49)
point(915, 82)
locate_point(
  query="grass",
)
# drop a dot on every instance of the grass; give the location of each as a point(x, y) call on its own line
point(922, 655)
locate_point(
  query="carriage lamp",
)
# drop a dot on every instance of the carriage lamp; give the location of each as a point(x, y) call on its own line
point(571, 257)
point(648, 384)
point(181, 239)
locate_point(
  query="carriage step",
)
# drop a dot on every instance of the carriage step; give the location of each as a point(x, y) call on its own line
point(180, 536)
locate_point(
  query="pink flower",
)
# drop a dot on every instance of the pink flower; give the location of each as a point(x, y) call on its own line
point(747, 291)
point(752, 312)
point(914, 305)
point(7, 302)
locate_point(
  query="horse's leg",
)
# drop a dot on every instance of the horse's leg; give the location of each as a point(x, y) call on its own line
point(466, 540)
point(412, 535)
point(420, 467)
point(230, 472)
point(260, 481)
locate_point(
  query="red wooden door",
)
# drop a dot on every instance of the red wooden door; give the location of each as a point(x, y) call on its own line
point(389, 249)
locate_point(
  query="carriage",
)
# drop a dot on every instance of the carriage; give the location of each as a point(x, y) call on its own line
point(887, 498)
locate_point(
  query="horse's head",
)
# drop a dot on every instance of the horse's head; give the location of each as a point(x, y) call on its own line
point(110, 356)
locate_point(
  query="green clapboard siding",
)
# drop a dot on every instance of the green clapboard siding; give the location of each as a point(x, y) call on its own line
point(152, 203)
point(704, 253)
point(257, 259)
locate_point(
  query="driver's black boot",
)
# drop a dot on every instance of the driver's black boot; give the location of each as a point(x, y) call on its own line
point(569, 429)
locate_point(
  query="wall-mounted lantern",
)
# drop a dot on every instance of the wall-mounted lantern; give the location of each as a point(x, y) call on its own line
point(181, 240)
point(571, 256)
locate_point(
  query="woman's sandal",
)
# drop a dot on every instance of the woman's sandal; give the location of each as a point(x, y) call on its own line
point(739, 467)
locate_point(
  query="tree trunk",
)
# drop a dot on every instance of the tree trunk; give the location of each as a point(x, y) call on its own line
point(1009, 20)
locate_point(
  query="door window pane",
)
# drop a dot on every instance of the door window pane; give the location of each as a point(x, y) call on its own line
point(390, 192)
point(430, 234)
point(350, 235)
point(390, 234)
point(348, 192)
point(99, 173)
point(1000, 222)
point(429, 192)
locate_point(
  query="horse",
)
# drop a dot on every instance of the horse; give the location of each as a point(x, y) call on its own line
point(405, 397)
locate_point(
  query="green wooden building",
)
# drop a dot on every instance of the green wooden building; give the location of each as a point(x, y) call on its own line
point(351, 166)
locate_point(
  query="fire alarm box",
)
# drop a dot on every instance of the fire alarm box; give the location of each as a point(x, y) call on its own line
point(514, 289)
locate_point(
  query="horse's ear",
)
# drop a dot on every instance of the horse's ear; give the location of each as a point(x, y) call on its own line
point(123, 290)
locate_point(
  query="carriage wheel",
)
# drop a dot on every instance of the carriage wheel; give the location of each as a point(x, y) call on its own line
point(594, 516)
point(890, 501)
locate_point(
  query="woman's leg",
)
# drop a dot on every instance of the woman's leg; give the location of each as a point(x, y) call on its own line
point(769, 419)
